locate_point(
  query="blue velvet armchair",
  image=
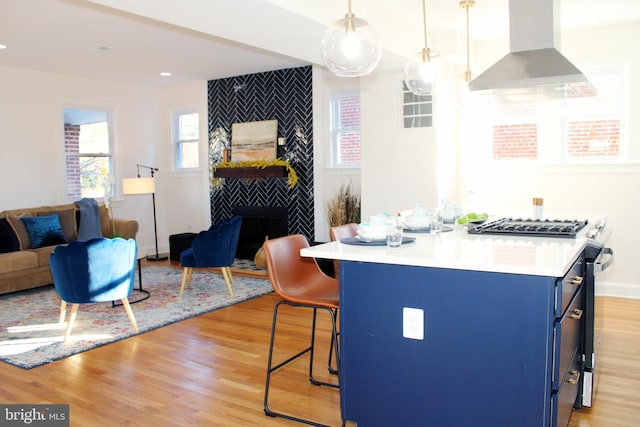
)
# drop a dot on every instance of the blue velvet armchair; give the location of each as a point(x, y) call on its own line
point(213, 248)
point(97, 270)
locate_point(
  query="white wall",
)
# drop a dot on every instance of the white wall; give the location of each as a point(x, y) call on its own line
point(185, 203)
point(32, 165)
point(578, 190)
point(398, 165)
point(327, 180)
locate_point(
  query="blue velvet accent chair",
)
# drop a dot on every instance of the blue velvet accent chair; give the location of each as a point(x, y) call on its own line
point(213, 248)
point(97, 270)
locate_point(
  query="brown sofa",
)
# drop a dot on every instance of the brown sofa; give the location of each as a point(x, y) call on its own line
point(23, 266)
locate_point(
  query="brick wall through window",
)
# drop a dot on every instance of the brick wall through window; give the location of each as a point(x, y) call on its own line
point(72, 145)
point(349, 133)
point(594, 138)
point(516, 141)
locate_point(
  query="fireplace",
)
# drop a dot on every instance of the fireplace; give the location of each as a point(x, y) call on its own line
point(259, 223)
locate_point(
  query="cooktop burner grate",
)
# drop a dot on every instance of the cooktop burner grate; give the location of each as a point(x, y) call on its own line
point(531, 227)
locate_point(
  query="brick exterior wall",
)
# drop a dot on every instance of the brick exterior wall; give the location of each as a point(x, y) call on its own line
point(72, 145)
point(517, 141)
point(349, 141)
point(585, 139)
point(594, 138)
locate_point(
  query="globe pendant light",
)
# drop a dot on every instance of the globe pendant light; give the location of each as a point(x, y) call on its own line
point(419, 72)
point(350, 47)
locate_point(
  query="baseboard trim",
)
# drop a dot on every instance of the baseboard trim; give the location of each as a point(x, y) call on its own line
point(620, 290)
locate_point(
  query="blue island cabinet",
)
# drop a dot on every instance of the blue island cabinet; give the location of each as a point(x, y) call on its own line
point(488, 356)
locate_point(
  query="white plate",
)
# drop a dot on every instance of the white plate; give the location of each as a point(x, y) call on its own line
point(415, 228)
point(366, 240)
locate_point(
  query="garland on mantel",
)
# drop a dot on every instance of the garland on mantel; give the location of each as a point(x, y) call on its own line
point(292, 177)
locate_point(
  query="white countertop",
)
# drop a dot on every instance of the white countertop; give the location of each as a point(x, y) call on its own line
point(540, 256)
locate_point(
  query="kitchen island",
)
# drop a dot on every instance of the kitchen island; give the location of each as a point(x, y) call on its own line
point(460, 330)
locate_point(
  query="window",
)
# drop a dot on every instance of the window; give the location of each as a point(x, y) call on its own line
point(593, 124)
point(572, 130)
point(186, 139)
point(417, 110)
point(515, 130)
point(345, 131)
point(87, 148)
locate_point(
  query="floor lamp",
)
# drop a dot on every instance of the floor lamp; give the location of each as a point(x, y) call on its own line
point(145, 186)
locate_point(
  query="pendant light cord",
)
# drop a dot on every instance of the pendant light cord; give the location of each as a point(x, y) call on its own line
point(467, 4)
point(424, 20)
point(426, 52)
point(468, 73)
point(349, 19)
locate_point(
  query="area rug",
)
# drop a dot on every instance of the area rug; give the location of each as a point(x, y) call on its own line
point(30, 334)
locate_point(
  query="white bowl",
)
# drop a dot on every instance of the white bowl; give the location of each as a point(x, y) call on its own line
point(423, 221)
point(367, 231)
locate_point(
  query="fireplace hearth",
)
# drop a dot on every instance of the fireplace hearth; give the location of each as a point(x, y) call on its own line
point(259, 223)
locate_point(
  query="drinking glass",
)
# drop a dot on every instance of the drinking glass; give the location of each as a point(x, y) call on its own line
point(436, 221)
point(394, 235)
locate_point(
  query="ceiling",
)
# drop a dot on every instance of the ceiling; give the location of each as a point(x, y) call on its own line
point(199, 40)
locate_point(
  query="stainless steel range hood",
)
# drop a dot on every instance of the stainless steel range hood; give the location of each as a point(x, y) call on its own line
point(534, 66)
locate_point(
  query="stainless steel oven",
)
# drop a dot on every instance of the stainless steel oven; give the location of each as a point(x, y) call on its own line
point(598, 260)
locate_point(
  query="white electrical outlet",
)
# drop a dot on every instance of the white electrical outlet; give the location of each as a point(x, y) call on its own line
point(413, 323)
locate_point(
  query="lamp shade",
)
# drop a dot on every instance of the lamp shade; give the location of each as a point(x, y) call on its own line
point(350, 47)
point(138, 186)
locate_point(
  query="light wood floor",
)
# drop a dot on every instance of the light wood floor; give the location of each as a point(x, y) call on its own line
point(210, 371)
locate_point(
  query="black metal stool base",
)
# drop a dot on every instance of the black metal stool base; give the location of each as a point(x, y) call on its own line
point(270, 368)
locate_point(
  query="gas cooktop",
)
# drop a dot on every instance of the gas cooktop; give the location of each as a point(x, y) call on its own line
point(531, 227)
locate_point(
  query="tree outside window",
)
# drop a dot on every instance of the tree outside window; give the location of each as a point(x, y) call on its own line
point(88, 154)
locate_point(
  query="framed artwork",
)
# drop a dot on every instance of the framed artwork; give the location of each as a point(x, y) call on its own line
point(254, 140)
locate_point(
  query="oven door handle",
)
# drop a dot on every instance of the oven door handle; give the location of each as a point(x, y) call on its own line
point(601, 266)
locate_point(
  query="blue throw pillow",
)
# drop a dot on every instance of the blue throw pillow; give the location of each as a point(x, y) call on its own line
point(44, 230)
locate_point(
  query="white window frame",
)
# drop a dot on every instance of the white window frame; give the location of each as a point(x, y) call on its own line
point(176, 141)
point(621, 73)
point(419, 100)
point(550, 130)
point(335, 131)
point(107, 177)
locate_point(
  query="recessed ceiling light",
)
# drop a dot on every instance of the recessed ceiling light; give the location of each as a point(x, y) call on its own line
point(3, 46)
point(104, 48)
point(165, 74)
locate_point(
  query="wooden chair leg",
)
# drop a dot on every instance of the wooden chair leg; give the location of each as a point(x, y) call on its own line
point(228, 278)
point(63, 310)
point(186, 279)
point(132, 319)
point(72, 319)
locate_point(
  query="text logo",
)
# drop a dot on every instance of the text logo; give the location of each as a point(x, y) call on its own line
point(34, 415)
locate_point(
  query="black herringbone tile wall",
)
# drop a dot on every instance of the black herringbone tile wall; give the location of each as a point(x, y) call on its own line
point(284, 95)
